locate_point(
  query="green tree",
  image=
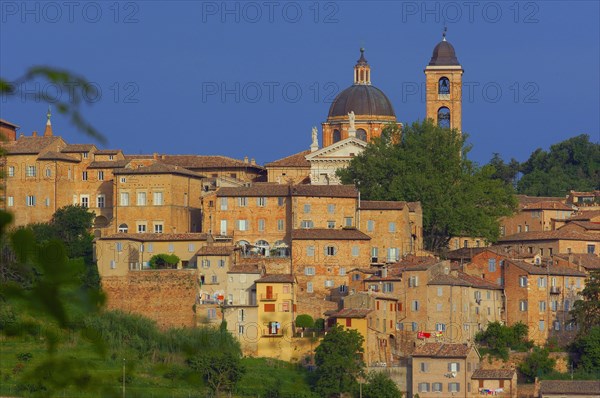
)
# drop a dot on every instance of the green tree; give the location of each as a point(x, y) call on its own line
point(506, 172)
point(163, 260)
point(429, 164)
point(304, 321)
point(339, 362)
point(587, 348)
point(380, 385)
point(573, 164)
point(220, 370)
point(537, 364)
point(586, 312)
point(497, 339)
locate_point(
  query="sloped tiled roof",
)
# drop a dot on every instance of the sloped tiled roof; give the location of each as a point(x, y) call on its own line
point(78, 148)
point(586, 260)
point(351, 313)
point(441, 350)
point(590, 226)
point(584, 215)
point(199, 161)
point(295, 160)
point(244, 269)
point(158, 168)
point(547, 205)
point(525, 200)
point(255, 190)
point(52, 155)
point(277, 278)
point(381, 205)
point(107, 152)
point(8, 123)
point(32, 145)
point(493, 374)
point(108, 164)
point(150, 237)
point(416, 263)
point(543, 270)
point(328, 234)
point(413, 206)
point(215, 251)
point(570, 387)
point(272, 189)
point(327, 191)
point(550, 235)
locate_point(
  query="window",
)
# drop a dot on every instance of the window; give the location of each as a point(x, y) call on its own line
point(526, 228)
point(123, 228)
point(212, 313)
point(393, 254)
point(542, 281)
point(30, 171)
point(280, 225)
point(542, 325)
point(374, 254)
point(440, 327)
point(423, 387)
point(556, 325)
point(355, 251)
point(205, 263)
point(444, 86)
point(191, 247)
point(414, 326)
point(214, 279)
point(453, 387)
point(310, 251)
point(141, 198)
point(424, 367)
point(306, 224)
point(100, 201)
point(348, 322)
point(242, 225)
point(307, 208)
point(453, 366)
point(370, 226)
point(85, 201)
point(330, 250)
point(342, 271)
point(309, 287)
point(387, 287)
point(331, 224)
point(223, 203)
point(48, 172)
point(554, 305)
point(113, 264)
point(11, 201)
point(261, 225)
point(337, 136)
point(436, 387)
point(440, 291)
point(124, 199)
point(119, 247)
point(439, 307)
point(492, 265)
point(101, 176)
point(84, 176)
point(522, 305)
point(591, 249)
point(158, 228)
point(141, 228)
point(221, 264)
point(348, 221)
point(11, 171)
point(392, 227)
point(542, 306)
point(330, 208)
point(567, 304)
point(413, 281)
point(149, 247)
point(280, 201)
point(309, 271)
point(444, 117)
point(242, 202)
point(523, 281)
point(414, 305)
point(30, 200)
point(171, 248)
point(577, 283)
point(328, 283)
point(261, 202)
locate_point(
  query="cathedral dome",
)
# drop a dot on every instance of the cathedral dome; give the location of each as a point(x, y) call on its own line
point(444, 54)
point(362, 99)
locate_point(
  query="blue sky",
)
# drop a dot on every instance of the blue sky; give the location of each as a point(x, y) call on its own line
point(252, 78)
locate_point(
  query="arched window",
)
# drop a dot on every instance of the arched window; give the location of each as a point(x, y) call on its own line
point(281, 249)
point(123, 228)
point(263, 248)
point(361, 134)
point(444, 117)
point(244, 246)
point(337, 136)
point(444, 86)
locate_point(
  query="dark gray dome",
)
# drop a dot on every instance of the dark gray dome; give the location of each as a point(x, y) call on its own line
point(362, 99)
point(444, 54)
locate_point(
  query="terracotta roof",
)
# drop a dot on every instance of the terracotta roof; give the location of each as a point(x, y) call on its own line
point(51, 155)
point(31, 145)
point(150, 237)
point(493, 374)
point(383, 296)
point(377, 278)
point(78, 148)
point(525, 200)
point(364, 270)
point(199, 161)
point(107, 151)
point(546, 205)
point(258, 190)
point(158, 168)
point(570, 387)
point(587, 260)
point(441, 350)
point(416, 263)
point(215, 251)
point(550, 235)
point(588, 225)
point(244, 269)
point(351, 313)
point(277, 278)
point(477, 282)
point(295, 160)
point(108, 164)
point(543, 270)
point(328, 234)
point(413, 206)
point(8, 123)
point(585, 215)
point(328, 191)
point(381, 205)
point(465, 253)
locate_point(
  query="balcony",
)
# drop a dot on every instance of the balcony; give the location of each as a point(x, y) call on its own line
point(268, 297)
point(554, 290)
point(266, 333)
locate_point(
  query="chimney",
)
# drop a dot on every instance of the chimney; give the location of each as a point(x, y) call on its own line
point(384, 272)
point(155, 156)
point(245, 159)
point(163, 157)
point(34, 134)
point(252, 161)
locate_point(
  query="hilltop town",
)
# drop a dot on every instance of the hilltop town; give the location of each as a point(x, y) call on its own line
point(259, 245)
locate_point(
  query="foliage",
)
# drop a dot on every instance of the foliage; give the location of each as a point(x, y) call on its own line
point(537, 364)
point(305, 321)
point(221, 370)
point(505, 172)
point(380, 385)
point(587, 348)
point(573, 164)
point(338, 360)
point(498, 339)
point(429, 164)
point(163, 260)
point(586, 312)
point(319, 324)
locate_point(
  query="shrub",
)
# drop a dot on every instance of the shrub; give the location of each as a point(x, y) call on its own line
point(163, 260)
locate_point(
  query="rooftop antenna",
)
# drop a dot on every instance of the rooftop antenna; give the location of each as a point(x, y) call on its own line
point(444, 33)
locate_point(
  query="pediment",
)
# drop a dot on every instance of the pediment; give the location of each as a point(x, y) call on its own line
point(341, 149)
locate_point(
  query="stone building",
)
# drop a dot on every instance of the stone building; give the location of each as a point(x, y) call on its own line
point(500, 383)
point(535, 214)
point(547, 243)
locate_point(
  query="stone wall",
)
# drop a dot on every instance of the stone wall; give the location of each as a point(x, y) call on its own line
point(166, 296)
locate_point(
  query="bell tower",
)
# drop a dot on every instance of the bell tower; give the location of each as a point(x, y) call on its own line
point(443, 79)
